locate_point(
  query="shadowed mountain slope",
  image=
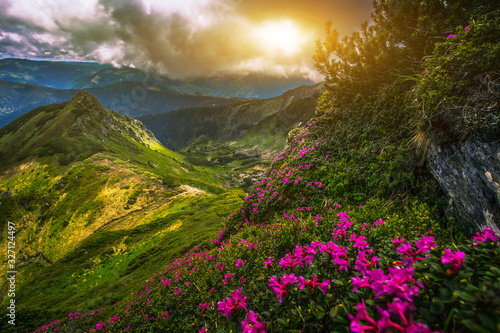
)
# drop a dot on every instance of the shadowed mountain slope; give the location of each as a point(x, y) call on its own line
point(130, 98)
point(180, 128)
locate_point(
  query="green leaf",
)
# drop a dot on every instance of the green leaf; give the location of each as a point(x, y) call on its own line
point(475, 327)
point(437, 267)
point(464, 296)
point(495, 270)
point(282, 321)
point(319, 315)
point(370, 302)
point(333, 312)
point(265, 314)
point(486, 320)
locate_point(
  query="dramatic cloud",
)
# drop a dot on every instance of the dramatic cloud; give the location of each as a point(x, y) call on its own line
point(189, 38)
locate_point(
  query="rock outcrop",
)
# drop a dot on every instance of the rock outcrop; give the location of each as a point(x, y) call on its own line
point(470, 174)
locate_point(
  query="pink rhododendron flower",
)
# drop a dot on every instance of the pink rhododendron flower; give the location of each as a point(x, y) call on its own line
point(399, 307)
point(362, 315)
point(454, 259)
point(280, 288)
point(342, 226)
point(204, 306)
point(100, 325)
point(166, 282)
point(268, 262)
point(227, 277)
point(385, 322)
point(338, 254)
point(396, 241)
point(486, 233)
point(301, 255)
point(289, 261)
point(360, 283)
point(407, 252)
point(364, 262)
point(251, 324)
point(302, 282)
point(312, 284)
point(425, 244)
point(236, 301)
point(359, 242)
point(397, 283)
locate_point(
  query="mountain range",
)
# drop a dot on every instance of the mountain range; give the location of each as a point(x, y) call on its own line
point(83, 184)
point(179, 128)
point(82, 75)
point(128, 91)
point(128, 98)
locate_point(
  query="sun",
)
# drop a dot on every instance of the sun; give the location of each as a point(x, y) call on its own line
point(280, 36)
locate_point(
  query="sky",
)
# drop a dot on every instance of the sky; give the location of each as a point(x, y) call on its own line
point(182, 38)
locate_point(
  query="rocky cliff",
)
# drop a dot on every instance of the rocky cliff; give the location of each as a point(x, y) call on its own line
point(470, 174)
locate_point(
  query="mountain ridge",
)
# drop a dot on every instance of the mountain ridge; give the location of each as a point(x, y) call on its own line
point(124, 97)
point(181, 127)
point(91, 188)
point(84, 75)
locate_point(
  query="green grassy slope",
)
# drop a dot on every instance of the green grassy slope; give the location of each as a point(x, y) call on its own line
point(270, 134)
point(97, 203)
point(248, 155)
point(180, 128)
point(298, 261)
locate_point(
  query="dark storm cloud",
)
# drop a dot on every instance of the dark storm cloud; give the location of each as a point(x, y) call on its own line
point(14, 32)
point(186, 39)
point(169, 40)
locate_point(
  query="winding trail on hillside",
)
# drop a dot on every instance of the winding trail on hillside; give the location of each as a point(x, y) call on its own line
point(110, 225)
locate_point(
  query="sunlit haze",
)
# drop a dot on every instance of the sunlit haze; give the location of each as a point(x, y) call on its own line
point(282, 36)
point(183, 39)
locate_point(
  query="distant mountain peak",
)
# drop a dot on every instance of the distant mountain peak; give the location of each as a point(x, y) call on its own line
point(72, 130)
point(85, 100)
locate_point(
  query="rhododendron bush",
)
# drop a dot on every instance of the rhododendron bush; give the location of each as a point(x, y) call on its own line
point(302, 274)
